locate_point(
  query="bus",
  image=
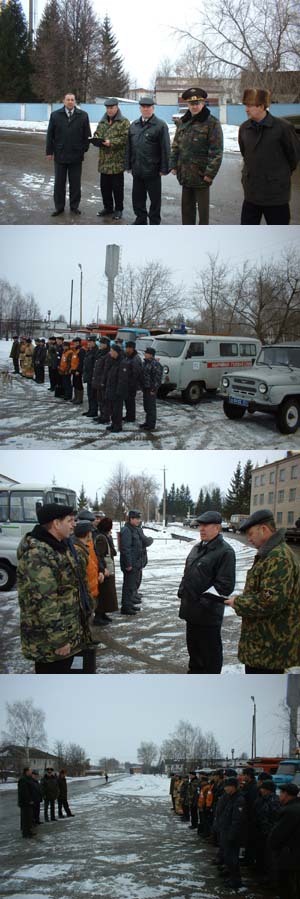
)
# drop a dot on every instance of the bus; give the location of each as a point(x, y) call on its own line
point(18, 516)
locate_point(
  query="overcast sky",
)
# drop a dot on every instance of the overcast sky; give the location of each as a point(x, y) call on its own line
point(43, 261)
point(110, 715)
point(197, 468)
point(144, 34)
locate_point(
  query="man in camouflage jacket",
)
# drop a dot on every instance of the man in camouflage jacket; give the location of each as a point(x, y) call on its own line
point(196, 156)
point(151, 381)
point(270, 604)
point(112, 131)
point(54, 625)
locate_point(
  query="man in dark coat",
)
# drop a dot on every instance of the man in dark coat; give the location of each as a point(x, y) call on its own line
point(266, 814)
point(209, 575)
point(103, 362)
point(67, 142)
point(196, 155)
point(270, 148)
point(250, 793)
point(25, 802)
point(49, 786)
point(131, 558)
point(39, 360)
point(87, 376)
point(232, 828)
point(37, 794)
point(134, 366)
point(15, 353)
point(116, 389)
point(151, 379)
point(63, 795)
point(285, 841)
point(147, 158)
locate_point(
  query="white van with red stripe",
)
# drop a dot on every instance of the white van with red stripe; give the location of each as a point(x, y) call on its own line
point(194, 363)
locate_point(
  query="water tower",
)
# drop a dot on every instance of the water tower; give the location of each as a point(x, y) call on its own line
point(112, 259)
point(293, 702)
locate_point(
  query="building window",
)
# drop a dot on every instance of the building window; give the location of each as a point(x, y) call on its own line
point(280, 496)
point(279, 518)
point(256, 480)
point(262, 498)
point(255, 499)
point(292, 494)
point(271, 497)
point(262, 479)
point(294, 472)
point(272, 477)
point(282, 474)
point(290, 518)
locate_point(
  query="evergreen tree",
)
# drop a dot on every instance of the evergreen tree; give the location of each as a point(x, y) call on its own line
point(247, 481)
point(111, 78)
point(83, 499)
point(199, 503)
point(15, 63)
point(216, 500)
point(50, 78)
point(96, 505)
point(234, 496)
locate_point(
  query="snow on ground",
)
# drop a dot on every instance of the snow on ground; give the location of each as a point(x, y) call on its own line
point(230, 132)
point(26, 405)
point(149, 785)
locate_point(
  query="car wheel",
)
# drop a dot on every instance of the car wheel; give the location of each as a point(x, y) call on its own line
point(233, 412)
point(193, 393)
point(288, 416)
point(7, 576)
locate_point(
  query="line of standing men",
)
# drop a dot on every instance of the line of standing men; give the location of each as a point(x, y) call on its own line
point(269, 145)
point(32, 792)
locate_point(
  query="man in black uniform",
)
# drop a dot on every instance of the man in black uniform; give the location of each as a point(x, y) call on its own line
point(209, 575)
point(285, 840)
point(147, 157)
point(232, 832)
point(131, 558)
point(134, 366)
point(67, 141)
point(151, 380)
point(26, 801)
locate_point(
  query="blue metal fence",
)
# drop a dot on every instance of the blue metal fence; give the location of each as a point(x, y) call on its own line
point(236, 114)
point(39, 112)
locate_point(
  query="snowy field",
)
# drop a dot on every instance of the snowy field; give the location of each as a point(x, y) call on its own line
point(124, 843)
point(153, 641)
point(230, 132)
point(31, 418)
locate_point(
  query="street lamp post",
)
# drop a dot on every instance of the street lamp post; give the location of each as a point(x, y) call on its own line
point(253, 741)
point(81, 278)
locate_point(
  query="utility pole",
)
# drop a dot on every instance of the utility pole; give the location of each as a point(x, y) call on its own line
point(253, 742)
point(164, 498)
point(81, 277)
point(71, 302)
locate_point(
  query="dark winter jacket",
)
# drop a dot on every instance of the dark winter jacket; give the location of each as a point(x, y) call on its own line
point(25, 791)
point(68, 139)
point(232, 822)
point(39, 355)
point(208, 565)
point(15, 350)
point(197, 149)
point(148, 148)
point(54, 354)
point(131, 547)
point(271, 151)
point(49, 786)
point(88, 365)
point(285, 837)
point(134, 365)
point(37, 792)
point(266, 812)
point(116, 386)
point(62, 787)
point(152, 374)
point(102, 363)
point(146, 541)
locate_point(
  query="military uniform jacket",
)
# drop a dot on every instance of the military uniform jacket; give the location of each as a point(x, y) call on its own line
point(134, 365)
point(116, 385)
point(49, 787)
point(88, 365)
point(270, 608)
point(285, 837)
point(68, 138)
point(112, 159)
point(15, 350)
point(271, 151)
point(233, 820)
point(151, 374)
point(25, 791)
point(99, 368)
point(197, 149)
point(148, 148)
point(131, 547)
point(49, 598)
point(208, 565)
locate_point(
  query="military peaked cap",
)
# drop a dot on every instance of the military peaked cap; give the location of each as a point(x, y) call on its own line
point(194, 95)
point(134, 513)
point(268, 785)
point(231, 782)
point(50, 511)
point(82, 528)
point(130, 343)
point(263, 516)
point(289, 788)
point(105, 340)
point(151, 350)
point(209, 518)
point(86, 515)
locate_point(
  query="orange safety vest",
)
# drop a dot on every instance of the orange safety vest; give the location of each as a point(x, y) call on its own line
point(202, 801)
point(64, 365)
point(92, 570)
point(75, 360)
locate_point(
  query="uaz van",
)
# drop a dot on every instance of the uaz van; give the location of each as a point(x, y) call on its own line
point(194, 363)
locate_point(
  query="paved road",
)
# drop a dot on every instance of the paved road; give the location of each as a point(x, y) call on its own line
point(117, 846)
point(27, 188)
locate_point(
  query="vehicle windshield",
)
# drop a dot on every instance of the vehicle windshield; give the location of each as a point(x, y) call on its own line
point(279, 355)
point(171, 348)
point(286, 769)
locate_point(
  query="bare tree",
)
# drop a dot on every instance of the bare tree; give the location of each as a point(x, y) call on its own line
point(147, 754)
point(210, 291)
point(25, 725)
point(250, 37)
point(75, 759)
point(125, 491)
point(146, 295)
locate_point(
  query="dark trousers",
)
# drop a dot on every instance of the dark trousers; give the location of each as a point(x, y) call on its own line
point(231, 860)
point(73, 171)
point(194, 815)
point(141, 187)
point(67, 386)
point(204, 646)
point(289, 884)
point(50, 802)
point(16, 366)
point(130, 407)
point(249, 670)
point(39, 374)
point(149, 400)
point(116, 417)
point(62, 666)
point(63, 804)
point(92, 399)
point(53, 377)
point(36, 812)
point(112, 189)
point(274, 215)
point(26, 819)
point(129, 588)
point(191, 200)
point(104, 411)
